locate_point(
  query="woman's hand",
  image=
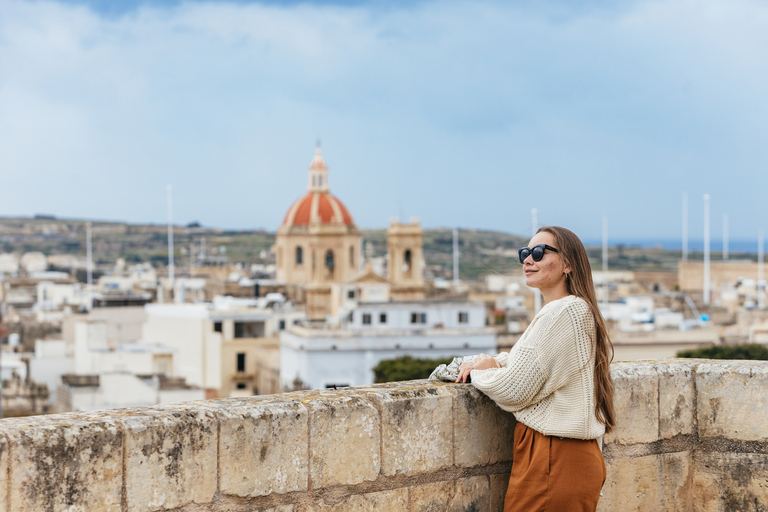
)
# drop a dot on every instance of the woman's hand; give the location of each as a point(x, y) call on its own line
point(481, 362)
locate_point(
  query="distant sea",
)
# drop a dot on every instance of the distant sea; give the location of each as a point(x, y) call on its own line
point(734, 246)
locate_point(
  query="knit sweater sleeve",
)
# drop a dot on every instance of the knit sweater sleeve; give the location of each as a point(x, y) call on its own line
point(540, 365)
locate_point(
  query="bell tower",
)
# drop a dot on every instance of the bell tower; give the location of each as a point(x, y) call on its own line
point(405, 269)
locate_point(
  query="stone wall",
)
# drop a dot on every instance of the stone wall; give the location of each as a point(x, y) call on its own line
point(693, 436)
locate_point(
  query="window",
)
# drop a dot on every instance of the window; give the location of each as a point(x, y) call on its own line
point(407, 260)
point(329, 260)
point(352, 255)
point(216, 326)
point(249, 330)
point(240, 385)
point(299, 255)
point(463, 317)
point(351, 294)
point(383, 318)
point(281, 325)
point(241, 361)
point(418, 318)
point(366, 318)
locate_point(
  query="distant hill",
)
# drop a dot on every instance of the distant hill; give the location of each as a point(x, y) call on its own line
point(482, 252)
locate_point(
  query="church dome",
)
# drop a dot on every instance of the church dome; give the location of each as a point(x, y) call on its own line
point(318, 205)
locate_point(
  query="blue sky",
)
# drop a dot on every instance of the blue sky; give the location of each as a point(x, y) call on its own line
point(462, 113)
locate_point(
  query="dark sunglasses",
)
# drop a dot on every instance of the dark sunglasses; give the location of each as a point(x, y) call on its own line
point(536, 252)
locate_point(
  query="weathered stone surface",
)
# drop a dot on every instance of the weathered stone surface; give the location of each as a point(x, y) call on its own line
point(726, 482)
point(4, 465)
point(636, 402)
point(499, 484)
point(344, 441)
point(482, 432)
point(170, 457)
point(654, 482)
point(391, 501)
point(676, 400)
point(63, 462)
point(416, 428)
point(733, 400)
point(434, 497)
point(471, 494)
point(263, 448)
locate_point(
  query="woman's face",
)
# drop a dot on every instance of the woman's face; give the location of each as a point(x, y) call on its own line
point(549, 271)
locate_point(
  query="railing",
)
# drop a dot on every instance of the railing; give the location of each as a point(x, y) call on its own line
point(692, 435)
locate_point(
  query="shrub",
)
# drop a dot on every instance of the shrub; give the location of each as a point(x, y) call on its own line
point(728, 352)
point(406, 368)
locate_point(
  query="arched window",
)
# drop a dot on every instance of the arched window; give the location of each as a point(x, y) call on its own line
point(407, 260)
point(299, 255)
point(329, 260)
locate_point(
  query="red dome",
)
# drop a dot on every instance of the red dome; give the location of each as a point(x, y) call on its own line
point(321, 207)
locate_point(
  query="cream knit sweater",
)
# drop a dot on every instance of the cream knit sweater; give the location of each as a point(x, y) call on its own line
point(548, 378)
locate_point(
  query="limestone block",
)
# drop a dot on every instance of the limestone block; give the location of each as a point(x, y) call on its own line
point(725, 482)
point(636, 403)
point(263, 448)
point(416, 428)
point(392, 501)
point(499, 484)
point(63, 462)
point(732, 400)
point(676, 400)
point(471, 493)
point(434, 497)
point(170, 457)
point(482, 432)
point(4, 456)
point(345, 441)
point(654, 482)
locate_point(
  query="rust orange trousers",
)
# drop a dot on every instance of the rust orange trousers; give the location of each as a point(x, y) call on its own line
point(550, 474)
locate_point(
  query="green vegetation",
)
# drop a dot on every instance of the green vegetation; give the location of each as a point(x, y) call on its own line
point(754, 351)
point(406, 368)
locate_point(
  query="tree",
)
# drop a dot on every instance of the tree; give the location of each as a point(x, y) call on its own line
point(754, 352)
point(406, 368)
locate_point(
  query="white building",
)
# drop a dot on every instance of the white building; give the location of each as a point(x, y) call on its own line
point(324, 356)
point(110, 390)
point(203, 335)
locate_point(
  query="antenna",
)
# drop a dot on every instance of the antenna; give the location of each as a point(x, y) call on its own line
point(605, 243)
point(760, 270)
point(170, 238)
point(685, 226)
point(706, 250)
point(89, 259)
point(725, 237)
point(534, 229)
point(455, 257)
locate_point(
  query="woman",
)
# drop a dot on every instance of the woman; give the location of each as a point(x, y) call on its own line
point(557, 382)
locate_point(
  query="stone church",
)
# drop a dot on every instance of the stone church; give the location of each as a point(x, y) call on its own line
point(319, 251)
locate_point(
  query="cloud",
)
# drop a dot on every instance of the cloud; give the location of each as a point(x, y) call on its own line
point(464, 113)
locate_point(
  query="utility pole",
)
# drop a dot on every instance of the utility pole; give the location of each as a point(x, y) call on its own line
point(707, 283)
point(685, 226)
point(170, 240)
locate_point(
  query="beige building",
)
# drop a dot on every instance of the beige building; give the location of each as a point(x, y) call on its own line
point(722, 273)
point(406, 260)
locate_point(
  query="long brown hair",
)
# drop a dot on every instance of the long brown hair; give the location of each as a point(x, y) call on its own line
point(579, 283)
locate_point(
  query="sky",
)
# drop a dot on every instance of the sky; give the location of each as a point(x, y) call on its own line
point(462, 113)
